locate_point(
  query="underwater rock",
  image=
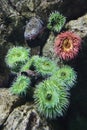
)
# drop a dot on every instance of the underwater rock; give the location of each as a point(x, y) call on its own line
point(48, 50)
point(79, 26)
point(46, 7)
point(25, 117)
point(16, 116)
point(33, 28)
point(7, 102)
point(14, 14)
point(36, 33)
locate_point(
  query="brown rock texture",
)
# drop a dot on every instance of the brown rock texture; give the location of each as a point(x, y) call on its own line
point(25, 117)
point(16, 116)
point(7, 102)
point(79, 26)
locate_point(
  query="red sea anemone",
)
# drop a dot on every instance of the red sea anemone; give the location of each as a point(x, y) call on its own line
point(67, 45)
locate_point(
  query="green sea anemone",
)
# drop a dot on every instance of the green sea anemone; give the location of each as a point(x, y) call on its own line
point(26, 66)
point(20, 85)
point(51, 99)
point(67, 75)
point(16, 57)
point(44, 66)
point(56, 21)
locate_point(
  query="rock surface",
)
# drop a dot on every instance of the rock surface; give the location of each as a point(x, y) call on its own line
point(25, 117)
point(16, 116)
point(7, 102)
point(48, 49)
point(14, 14)
point(79, 26)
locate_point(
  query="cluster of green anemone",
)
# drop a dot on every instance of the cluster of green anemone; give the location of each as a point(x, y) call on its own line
point(51, 96)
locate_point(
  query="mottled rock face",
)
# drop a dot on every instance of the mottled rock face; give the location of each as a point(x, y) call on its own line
point(48, 49)
point(14, 13)
point(49, 46)
point(79, 26)
point(15, 116)
point(6, 103)
point(25, 117)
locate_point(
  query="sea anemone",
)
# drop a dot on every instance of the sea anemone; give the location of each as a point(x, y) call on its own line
point(16, 57)
point(44, 66)
point(26, 66)
point(20, 85)
point(56, 21)
point(66, 75)
point(51, 99)
point(67, 45)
